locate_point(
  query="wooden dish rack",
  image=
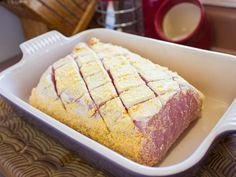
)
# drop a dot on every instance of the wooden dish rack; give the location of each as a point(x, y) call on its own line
point(40, 16)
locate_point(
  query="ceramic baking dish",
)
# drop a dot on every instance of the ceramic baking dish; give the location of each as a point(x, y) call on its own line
point(212, 73)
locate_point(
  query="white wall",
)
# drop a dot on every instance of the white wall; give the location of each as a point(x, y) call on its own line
point(11, 34)
point(223, 3)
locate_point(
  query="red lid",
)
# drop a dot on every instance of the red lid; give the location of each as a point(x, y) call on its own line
point(200, 37)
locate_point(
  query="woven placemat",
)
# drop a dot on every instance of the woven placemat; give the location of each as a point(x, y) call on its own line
point(25, 151)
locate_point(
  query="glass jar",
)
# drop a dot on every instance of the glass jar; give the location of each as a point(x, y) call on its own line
point(121, 15)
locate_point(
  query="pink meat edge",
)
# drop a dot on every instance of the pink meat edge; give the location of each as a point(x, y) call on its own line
point(164, 128)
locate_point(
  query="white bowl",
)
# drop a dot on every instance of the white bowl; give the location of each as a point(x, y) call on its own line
point(212, 73)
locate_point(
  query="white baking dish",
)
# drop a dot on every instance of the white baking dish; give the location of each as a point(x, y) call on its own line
point(212, 73)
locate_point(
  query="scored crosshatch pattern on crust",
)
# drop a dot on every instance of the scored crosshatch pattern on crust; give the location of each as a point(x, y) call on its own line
point(152, 80)
point(105, 70)
point(105, 97)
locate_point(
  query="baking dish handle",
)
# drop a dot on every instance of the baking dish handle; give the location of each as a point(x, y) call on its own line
point(228, 122)
point(43, 42)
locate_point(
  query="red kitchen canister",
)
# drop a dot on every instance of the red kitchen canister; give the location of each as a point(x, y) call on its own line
point(179, 21)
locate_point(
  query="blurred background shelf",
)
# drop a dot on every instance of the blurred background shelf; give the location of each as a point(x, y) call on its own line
point(24, 19)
